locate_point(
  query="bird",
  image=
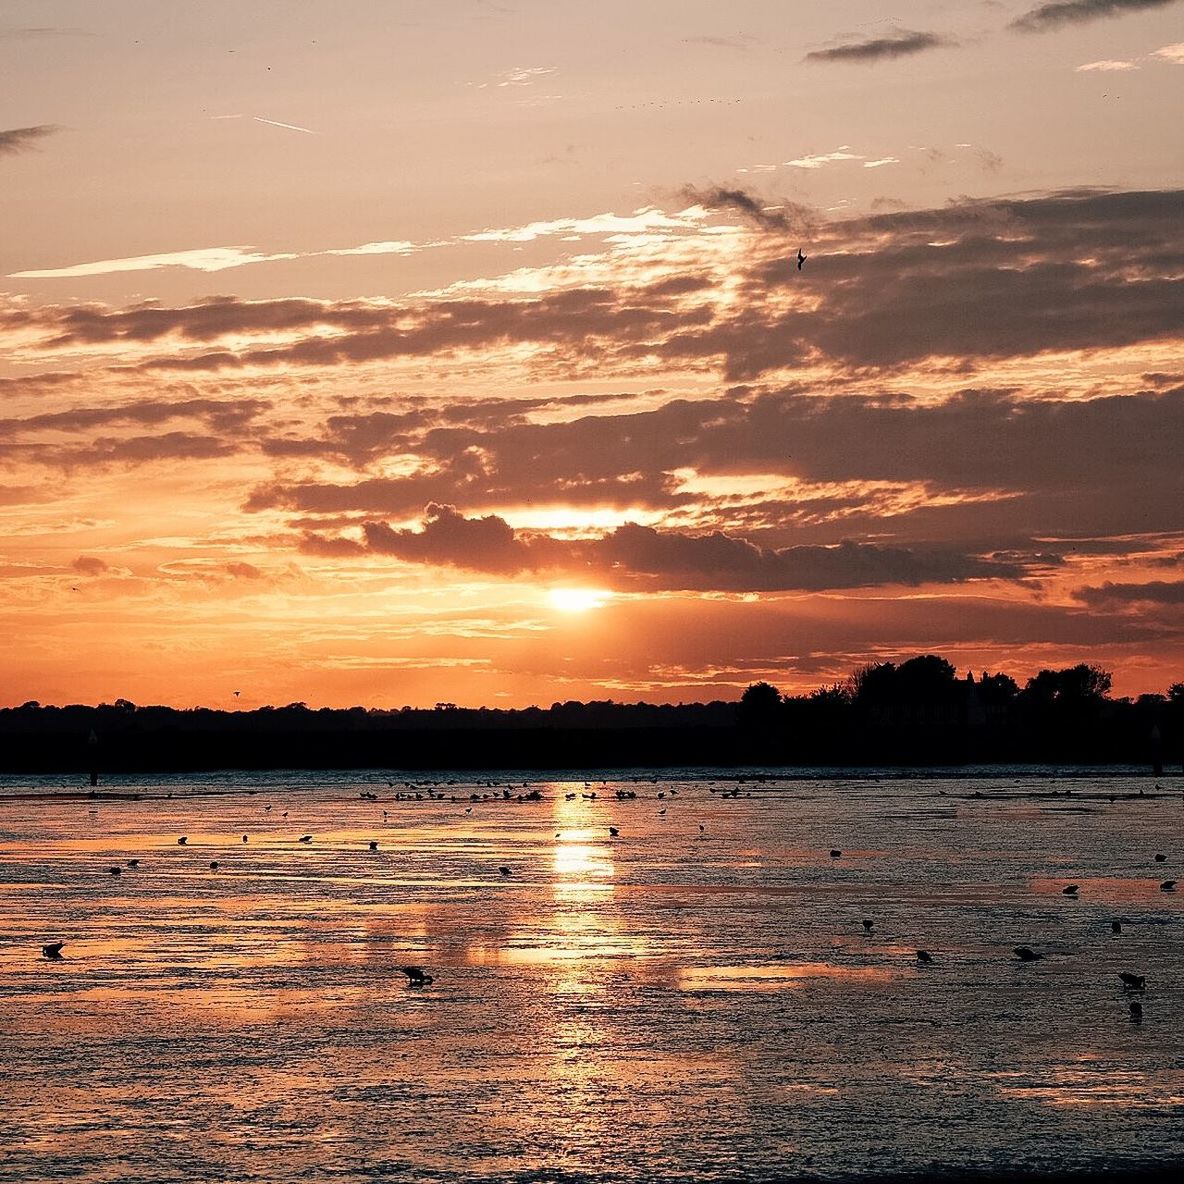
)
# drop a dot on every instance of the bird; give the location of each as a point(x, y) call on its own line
point(801, 258)
point(52, 949)
point(1024, 954)
point(924, 956)
point(213, 865)
point(613, 831)
point(115, 871)
point(505, 871)
point(182, 841)
point(1071, 890)
point(835, 854)
point(1168, 886)
point(868, 925)
point(237, 693)
point(244, 838)
point(662, 811)
point(1132, 982)
point(1136, 1011)
point(304, 839)
point(1115, 926)
point(133, 863)
point(373, 845)
point(1160, 857)
point(416, 976)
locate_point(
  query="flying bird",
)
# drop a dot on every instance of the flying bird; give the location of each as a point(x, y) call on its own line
point(1026, 955)
point(52, 949)
point(416, 976)
point(801, 258)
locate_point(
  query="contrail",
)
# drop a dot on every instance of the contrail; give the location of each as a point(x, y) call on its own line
point(292, 127)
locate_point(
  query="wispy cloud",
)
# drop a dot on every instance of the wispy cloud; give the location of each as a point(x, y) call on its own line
point(25, 139)
point(786, 216)
point(518, 76)
point(821, 160)
point(878, 164)
point(1075, 12)
point(201, 259)
point(901, 43)
point(1171, 53)
point(1106, 66)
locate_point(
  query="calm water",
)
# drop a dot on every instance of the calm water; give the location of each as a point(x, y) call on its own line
point(664, 1004)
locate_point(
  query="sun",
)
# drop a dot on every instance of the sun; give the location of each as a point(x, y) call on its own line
point(578, 600)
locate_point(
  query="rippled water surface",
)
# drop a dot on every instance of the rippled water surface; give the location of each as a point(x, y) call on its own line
point(695, 997)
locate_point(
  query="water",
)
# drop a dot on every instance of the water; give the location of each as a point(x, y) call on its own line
point(663, 1005)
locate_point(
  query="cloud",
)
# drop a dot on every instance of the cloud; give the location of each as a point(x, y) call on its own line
point(901, 43)
point(820, 160)
point(1107, 66)
point(1075, 12)
point(642, 556)
point(1165, 592)
point(88, 565)
point(202, 259)
point(1171, 53)
point(25, 139)
point(782, 217)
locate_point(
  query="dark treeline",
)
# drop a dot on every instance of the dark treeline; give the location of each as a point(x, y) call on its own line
point(916, 713)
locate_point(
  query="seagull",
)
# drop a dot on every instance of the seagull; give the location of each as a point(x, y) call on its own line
point(1136, 1011)
point(801, 258)
point(373, 845)
point(1168, 886)
point(213, 865)
point(115, 871)
point(1071, 890)
point(835, 853)
point(416, 976)
point(182, 841)
point(1026, 955)
point(1115, 926)
point(505, 871)
point(613, 831)
point(133, 863)
point(304, 839)
point(924, 957)
point(52, 949)
point(1159, 857)
point(1132, 982)
point(867, 925)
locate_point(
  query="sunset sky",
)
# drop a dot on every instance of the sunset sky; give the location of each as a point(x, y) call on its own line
point(384, 352)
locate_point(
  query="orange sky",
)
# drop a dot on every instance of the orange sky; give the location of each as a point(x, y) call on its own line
point(389, 353)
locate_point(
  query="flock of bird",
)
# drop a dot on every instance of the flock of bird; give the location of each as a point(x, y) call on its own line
point(418, 977)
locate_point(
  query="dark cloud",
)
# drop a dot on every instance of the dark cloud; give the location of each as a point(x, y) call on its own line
point(25, 139)
point(1166, 592)
point(641, 556)
point(899, 44)
point(244, 571)
point(784, 216)
point(1075, 12)
point(88, 565)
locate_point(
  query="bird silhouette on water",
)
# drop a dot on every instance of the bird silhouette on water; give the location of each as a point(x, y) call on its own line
point(868, 926)
point(214, 865)
point(133, 863)
point(244, 838)
point(1024, 954)
point(505, 871)
point(1131, 981)
point(182, 840)
point(304, 839)
point(1160, 857)
point(373, 845)
point(1115, 926)
point(416, 976)
point(1136, 1010)
point(1071, 890)
point(613, 832)
point(835, 854)
point(115, 871)
point(52, 950)
point(1168, 886)
point(924, 957)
